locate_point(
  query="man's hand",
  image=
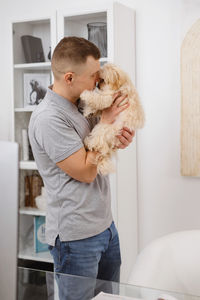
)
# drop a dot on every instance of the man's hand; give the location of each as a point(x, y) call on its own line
point(125, 138)
point(109, 114)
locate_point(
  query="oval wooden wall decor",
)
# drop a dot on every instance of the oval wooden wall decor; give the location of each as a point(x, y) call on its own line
point(190, 102)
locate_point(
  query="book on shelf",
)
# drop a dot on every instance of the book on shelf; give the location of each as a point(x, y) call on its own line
point(33, 50)
point(39, 234)
point(27, 153)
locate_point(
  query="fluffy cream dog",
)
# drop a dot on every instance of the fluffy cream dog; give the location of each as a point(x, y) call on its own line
point(103, 136)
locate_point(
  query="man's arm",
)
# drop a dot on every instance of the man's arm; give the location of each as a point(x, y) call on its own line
point(80, 165)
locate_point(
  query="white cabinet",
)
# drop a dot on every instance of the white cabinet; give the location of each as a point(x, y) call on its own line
point(120, 22)
point(45, 29)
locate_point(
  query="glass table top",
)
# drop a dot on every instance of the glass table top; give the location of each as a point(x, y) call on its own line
point(45, 285)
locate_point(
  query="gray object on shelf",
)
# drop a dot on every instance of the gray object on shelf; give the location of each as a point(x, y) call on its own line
point(33, 50)
point(97, 34)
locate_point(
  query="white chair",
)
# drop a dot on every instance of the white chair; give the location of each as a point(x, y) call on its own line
point(8, 219)
point(170, 263)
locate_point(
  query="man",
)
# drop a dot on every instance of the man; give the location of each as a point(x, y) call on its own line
point(80, 231)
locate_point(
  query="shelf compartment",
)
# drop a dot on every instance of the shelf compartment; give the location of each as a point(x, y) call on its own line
point(26, 241)
point(19, 81)
point(28, 253)
point(76, 25)
point(37, 28)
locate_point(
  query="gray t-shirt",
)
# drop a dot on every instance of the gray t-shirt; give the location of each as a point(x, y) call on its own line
point(75, 210)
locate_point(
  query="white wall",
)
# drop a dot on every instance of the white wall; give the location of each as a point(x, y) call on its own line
point(167, 202)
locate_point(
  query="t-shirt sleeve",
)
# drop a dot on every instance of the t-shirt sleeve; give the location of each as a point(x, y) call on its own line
point(57, 138)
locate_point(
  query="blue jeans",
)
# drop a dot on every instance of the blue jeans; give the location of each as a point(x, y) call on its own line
point(97, 257)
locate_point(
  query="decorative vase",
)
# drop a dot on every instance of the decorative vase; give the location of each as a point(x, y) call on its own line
point(97, 34)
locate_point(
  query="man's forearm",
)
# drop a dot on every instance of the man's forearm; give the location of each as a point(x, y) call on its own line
point(81, 165)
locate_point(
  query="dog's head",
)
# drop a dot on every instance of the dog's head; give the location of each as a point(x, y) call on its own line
point(112, 75)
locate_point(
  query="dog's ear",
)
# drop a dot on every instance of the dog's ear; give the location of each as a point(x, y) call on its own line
point(115, 79)
point(109, 74)
point(114, 76)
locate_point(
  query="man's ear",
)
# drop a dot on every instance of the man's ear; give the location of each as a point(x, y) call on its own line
point(69, 77)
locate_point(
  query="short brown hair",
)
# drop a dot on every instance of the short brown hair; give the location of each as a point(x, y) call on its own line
point(74, 50)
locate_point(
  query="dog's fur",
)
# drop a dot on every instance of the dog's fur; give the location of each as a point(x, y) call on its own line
point(103, 136)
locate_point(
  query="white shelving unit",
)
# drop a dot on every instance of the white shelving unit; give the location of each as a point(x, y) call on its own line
point(44, 28)
point(120, 22)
